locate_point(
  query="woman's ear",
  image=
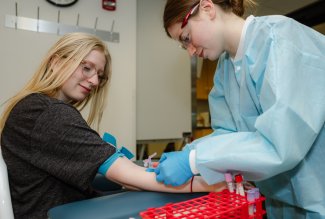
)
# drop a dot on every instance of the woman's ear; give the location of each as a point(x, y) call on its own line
point(208, 7)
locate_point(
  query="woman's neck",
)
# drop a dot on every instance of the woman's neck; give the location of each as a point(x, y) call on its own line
point(233, 29)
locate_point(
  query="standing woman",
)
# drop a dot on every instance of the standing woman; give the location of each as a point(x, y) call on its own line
point(267, 104)
point(51, 152)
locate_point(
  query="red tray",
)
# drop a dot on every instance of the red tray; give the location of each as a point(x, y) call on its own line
point(214, 205)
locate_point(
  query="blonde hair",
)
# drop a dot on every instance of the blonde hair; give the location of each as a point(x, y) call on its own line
point(176, 10)
point(66, 54)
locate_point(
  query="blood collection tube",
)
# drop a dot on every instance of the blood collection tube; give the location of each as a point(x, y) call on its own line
point(251, 199)
point(257, 195)
point(239, 185)
point(230, 183)
point(148, 162)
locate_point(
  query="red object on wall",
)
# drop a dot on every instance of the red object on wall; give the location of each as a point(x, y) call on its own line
point(109, 5)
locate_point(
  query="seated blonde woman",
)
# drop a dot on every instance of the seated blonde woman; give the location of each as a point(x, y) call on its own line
point(51, 152)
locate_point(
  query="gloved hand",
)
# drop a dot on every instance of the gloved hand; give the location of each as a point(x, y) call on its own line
point(174, 168)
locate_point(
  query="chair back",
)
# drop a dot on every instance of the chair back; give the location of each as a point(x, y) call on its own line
point(5, 199)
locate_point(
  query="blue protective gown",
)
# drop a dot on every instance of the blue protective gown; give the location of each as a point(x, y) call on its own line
point(268, 113)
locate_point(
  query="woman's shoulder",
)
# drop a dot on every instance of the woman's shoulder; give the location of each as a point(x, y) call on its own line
point(275, 25)
point(283, 30)
point(37, 99)
point(38, 102)
point(271, 19)
point(43, 107)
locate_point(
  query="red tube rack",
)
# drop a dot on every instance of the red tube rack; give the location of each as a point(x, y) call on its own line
point(220, 205)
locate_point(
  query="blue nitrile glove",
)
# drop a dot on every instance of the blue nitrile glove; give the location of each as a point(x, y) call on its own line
point(174, 168)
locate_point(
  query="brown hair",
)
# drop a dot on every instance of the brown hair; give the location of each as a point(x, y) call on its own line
point(176, 10)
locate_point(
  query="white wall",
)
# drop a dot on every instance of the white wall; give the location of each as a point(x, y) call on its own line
point(150, 93)
point(163, 78)
point(21, 52)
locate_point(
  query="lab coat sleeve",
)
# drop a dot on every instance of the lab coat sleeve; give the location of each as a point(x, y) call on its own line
point(292, 97)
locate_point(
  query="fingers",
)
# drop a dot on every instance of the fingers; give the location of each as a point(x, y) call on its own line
point(163, 157)
point(169, 170)
point(160, 178)
point(157, 170)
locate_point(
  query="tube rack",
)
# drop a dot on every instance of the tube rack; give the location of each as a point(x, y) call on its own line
point(221, 205)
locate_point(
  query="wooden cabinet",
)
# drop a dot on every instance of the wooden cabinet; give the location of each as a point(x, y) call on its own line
point(205, 82)
point(201, 132)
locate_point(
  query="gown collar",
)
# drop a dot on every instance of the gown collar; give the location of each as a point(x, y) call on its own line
point(240, 50)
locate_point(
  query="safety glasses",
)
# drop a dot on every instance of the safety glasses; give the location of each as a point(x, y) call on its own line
point(89, 70)
point(189, 14)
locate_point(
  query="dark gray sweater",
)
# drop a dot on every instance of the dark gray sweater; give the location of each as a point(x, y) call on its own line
point(52, 155)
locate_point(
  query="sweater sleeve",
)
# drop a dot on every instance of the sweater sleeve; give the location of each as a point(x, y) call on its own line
point(66, 147)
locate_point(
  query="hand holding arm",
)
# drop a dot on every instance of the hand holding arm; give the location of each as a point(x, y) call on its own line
point(125, 172)
point(174, 168)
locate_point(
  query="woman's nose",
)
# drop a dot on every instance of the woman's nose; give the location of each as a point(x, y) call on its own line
point(191, 50)
point(94, 79)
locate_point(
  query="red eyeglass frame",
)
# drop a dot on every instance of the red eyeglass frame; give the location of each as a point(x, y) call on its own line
point(189, 14)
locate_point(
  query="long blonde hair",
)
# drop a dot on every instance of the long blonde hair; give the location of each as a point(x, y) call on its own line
point(68, 52)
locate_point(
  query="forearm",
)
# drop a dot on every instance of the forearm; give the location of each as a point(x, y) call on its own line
point(131, 175)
